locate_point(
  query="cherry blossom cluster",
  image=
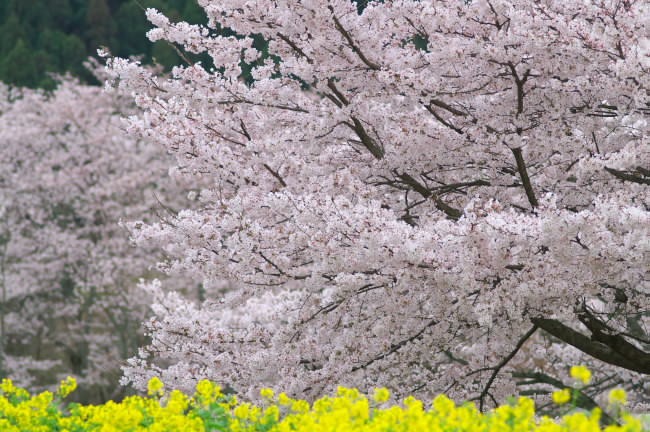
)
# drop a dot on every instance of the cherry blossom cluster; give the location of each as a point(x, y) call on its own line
point(68, 174)
point(432, 196)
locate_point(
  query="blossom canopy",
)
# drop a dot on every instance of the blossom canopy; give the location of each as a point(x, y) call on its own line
point(404, 196)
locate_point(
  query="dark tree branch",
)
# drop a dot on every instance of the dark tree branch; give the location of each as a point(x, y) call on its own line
point(276, 175)
point(396, 346)
point(443, 121)
point(604, 334)
point(354, 47)
point(593, 348)
point(244, 130)
point(337, 92)
point(446, 188)
point(295, 47)
point(634, 177)
point(523, 175)
point(333, 99)
point(367, 142)
point(451, 212)
point(416, 185)
point(519, 82)
point(496, 369)
point(357, 127)
point(447, 107)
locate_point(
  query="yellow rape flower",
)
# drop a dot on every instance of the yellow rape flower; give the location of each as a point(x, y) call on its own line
point(266, 393)
point(381, 395)
point(254, 414)
point(7, 386)
point(443, 405)
point(204, 388)
point(349, 411)
point(67, 387)
point(300, 406)
point(413, 403)
point(272, 413)
point(177, 402)
point(241, 411)
point(581, 373)
point(154, 386)
point(617, 397)
point(283, 399)
point(562, 396)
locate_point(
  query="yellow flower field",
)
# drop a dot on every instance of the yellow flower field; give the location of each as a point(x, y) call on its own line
point(348, 410)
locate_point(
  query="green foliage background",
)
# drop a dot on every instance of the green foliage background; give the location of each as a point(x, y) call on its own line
point(38, 37)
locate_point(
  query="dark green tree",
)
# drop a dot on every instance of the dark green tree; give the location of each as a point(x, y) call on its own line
point(18, 67)
point(34, 15)
point(5, 8)
point(132, 25)
point(61, 13)
point(73, 54)
point(10, 32)
point(78, 18)
point(100, 28)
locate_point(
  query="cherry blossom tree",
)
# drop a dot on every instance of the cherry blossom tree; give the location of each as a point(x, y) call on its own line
point(70, 305)
point(429, 196)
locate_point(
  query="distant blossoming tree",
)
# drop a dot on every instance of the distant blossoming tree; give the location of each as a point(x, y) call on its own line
point(427, 195)
point(67, 270)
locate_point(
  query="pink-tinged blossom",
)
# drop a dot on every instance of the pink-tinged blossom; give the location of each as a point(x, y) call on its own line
point(67, 269)
point(418, 215)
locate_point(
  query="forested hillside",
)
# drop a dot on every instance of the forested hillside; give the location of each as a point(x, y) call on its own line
point(42, 36)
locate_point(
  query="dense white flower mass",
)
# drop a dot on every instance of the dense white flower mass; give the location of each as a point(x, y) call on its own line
point(69, 304)
point(425, 195)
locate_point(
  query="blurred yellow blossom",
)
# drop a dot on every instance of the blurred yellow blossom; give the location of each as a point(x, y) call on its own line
point(205, 389)
point(381, 395)
point(7, 386)
point(283, 399)
point(155, 386)
point(67, 387)
point(581, 373)
point(242, 411)
point(617, 397)
point(562, 396)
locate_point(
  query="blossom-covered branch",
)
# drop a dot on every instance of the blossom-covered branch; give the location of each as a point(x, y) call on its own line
point(484, 182)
